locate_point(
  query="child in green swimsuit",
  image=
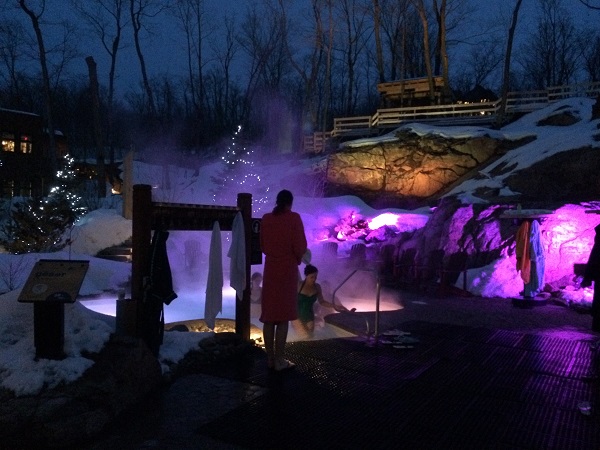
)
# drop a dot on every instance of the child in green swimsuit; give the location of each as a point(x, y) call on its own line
point(309, 292)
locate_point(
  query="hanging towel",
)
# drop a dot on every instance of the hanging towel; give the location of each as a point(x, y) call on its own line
point(538, 261)
point(237, 253)
point(214, 284)
point(522, 251)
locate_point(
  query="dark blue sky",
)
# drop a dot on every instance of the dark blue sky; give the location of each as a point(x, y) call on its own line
point(165, 54)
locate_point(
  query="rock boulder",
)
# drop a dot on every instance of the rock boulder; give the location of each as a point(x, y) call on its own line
point(411, 168)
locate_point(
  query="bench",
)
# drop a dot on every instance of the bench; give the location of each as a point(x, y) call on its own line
point(406, 90)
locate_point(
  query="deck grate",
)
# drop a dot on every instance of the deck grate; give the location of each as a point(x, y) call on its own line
point(457, 389)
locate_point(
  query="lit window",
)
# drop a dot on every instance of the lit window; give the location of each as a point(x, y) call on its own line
point(8, 142)
point(25, 144)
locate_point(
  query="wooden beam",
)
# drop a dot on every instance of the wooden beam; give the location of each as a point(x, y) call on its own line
point(148, 216)
point(181, 216)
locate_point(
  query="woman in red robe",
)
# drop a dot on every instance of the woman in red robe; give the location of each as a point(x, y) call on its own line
point(283, 242)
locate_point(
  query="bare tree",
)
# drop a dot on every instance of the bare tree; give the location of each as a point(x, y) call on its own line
point(354, 14)
point(141, 12)
point(440, 12)
point(225, 54)
point(192, 18)
point(328, 59)
point(551, 55)
point(308, 64)
point(450, 15)
point(11, 37)
point(34, 17)
point(590, 4)
point(263, 39)
point(378, 44)
point(591, 56)
point(423, 15)
point(403, 40)
point(507, 59)
point(481, 61)
point(95, 101)
point(105, 17)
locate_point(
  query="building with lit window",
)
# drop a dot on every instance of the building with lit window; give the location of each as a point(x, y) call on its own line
point(24, 166)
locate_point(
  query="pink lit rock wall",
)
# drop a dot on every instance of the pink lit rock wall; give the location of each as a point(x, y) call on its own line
point(568, 237)
point(489, 240)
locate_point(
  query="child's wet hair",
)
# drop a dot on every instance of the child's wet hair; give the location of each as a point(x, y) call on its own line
point(310, 269)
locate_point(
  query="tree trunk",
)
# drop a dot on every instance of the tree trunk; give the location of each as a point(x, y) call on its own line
point(327, 93)
point(506, 71)
point(51, 152)
point(95, 98)
point(378, 46)
point(426, 47)
point(441, 15)
point(136, 17)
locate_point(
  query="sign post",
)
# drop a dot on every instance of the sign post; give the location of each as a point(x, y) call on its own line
point(50, 285)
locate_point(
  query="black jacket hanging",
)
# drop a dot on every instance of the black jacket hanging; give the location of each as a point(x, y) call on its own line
point(161, 280)
point(158, 290)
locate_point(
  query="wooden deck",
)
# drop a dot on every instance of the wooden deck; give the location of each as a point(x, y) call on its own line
point(480, 113)
point(405, 92)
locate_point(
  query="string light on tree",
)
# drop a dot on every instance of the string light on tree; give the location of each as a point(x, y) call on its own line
point(238, 174)
point(38, 224)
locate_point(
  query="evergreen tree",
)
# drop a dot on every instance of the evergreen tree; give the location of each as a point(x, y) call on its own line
point(239, 174)
point(38, 224)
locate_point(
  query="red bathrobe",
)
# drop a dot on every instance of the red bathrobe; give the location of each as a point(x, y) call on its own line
point(283, 242)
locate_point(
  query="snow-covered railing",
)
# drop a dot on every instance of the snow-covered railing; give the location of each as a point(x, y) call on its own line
point(516, 102)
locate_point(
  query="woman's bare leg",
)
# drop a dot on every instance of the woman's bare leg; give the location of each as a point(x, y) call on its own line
point(269, 337)
point(281, 332)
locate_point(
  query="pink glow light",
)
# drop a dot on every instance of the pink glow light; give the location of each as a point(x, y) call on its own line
point(381, 220)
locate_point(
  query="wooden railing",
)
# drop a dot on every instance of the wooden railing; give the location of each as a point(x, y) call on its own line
point(391, 117)
point(483, 112)
point(315, 143)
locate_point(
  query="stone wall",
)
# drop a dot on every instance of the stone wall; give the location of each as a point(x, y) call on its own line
point(411, 167)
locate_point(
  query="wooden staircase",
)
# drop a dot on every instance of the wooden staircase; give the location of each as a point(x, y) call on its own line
point(121, 252)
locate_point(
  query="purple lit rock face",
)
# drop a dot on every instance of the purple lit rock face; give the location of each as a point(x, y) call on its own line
point(567, 238)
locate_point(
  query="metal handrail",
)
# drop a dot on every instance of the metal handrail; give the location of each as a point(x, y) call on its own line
point(377, 296)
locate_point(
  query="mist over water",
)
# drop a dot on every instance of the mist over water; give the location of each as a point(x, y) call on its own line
point(265, 174)
point(189, 280)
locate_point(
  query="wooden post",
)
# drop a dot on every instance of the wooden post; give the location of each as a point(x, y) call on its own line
point(242, 309)
point(49, 330)
point(127, 188)
point(141, 237)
